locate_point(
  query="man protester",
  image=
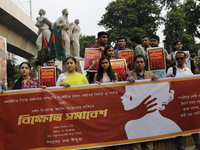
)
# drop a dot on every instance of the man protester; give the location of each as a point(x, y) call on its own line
point(178, 71)
point(136, 43)
point(155, 40)
point(50, 61)
point(146, 42)
point(140, 74)
point(121, 44)
point(102, 39)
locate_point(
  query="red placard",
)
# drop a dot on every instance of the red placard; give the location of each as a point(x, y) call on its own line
point(119, 66)
point(47, 76)
point(91, 60)
point(128, 56)
point(156, 59)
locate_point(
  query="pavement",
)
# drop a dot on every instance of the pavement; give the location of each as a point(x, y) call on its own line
point(189, 148)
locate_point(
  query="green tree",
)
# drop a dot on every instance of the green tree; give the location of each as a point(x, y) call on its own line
point(86, 41)
point(124, 18)
point(182, 23)
point(11, 73)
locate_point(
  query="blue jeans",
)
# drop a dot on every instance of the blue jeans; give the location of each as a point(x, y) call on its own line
point(195, 137)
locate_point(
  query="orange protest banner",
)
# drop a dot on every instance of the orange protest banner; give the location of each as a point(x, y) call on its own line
point(98, 115)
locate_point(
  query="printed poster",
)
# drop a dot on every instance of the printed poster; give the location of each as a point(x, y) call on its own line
point(85, 116)
point(91, 59)
point(128, 56)
point(119, 67)
point(156, 59)
point(47, 76)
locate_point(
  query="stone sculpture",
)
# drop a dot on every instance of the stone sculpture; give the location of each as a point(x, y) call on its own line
point(44, 26)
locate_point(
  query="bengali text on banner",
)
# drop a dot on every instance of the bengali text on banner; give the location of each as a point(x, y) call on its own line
point(98, 115)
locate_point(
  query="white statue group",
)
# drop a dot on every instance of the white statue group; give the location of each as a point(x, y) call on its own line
point(70, 32)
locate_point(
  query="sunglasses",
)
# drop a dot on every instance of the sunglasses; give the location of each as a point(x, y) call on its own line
point(181, 58)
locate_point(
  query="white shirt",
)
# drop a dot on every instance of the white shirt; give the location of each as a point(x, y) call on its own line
point(180, 72)
point(60, 79)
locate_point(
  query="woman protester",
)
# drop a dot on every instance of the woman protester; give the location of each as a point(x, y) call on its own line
point(110, 52)
point(25, 81)
point(71, 77)
point(105, 73)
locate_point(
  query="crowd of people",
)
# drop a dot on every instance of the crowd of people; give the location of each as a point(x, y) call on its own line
point(175, 62)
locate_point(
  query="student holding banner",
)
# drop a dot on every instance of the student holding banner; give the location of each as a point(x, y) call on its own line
point(25, 81)
point(178, 46)
point(139, 74)
point(71, 77)
point(181, 70)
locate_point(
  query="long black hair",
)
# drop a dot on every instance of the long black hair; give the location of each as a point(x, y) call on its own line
point(101, 70)
point(18, 84)
point(106, 49)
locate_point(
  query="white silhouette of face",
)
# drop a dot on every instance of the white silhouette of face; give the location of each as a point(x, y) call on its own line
point(135, 94)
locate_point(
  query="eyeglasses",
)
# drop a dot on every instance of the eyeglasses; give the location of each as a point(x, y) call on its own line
point(181, 58)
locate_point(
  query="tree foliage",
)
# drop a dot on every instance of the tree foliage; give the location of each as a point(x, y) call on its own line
point(182, 22)
point(123, 18)
point(86, 42)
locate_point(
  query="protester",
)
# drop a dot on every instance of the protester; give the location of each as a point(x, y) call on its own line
point(121, 44)
point(25, 81)
point(139, 74)
point(71, 77)
point(155, 40)
point(50, 61)
point(181, 70)
point(195, 59)
point(101, 43)
point(178, 46)
point(105, 73)
point(110, 52)
point(146, 42)
point(102, 40)
point(136, 43)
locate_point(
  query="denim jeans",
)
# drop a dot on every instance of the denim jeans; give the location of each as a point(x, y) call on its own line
point(195, 137)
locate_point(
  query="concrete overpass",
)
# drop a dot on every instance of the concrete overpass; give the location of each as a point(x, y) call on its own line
point(19, 30)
